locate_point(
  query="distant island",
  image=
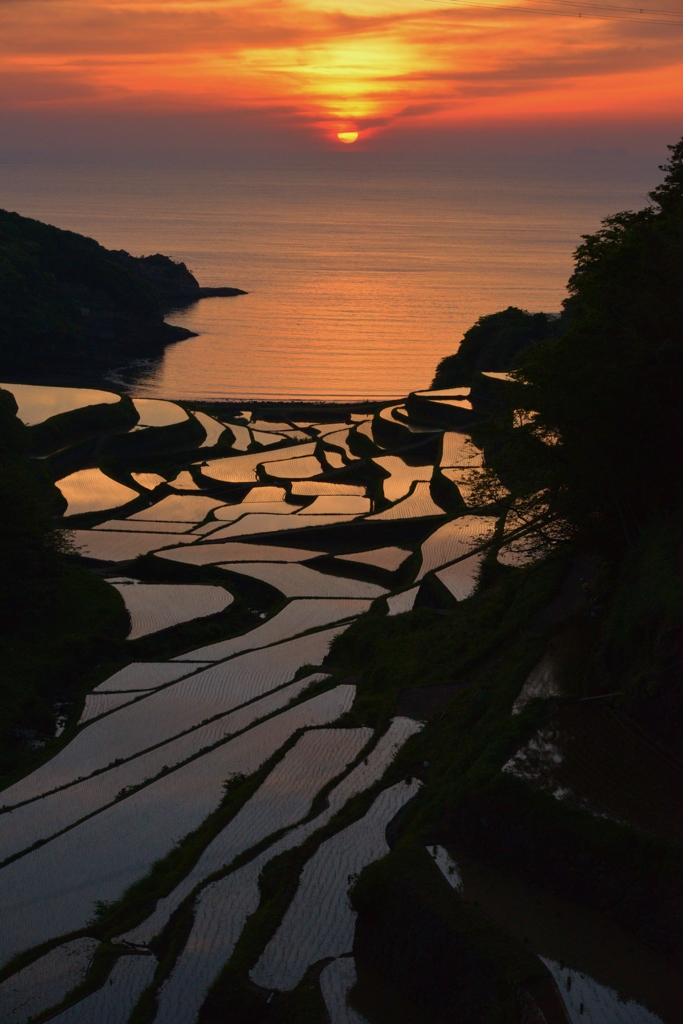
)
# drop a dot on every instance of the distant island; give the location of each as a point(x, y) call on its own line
point(70, 309)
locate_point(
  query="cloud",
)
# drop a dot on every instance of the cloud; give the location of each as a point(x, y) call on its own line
point(319, 63)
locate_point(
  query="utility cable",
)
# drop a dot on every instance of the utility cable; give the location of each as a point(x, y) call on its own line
point(579, 10)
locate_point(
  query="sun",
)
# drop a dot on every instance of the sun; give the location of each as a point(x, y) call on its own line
point(347, 137)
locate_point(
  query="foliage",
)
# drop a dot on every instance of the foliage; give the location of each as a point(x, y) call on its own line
point(66, 301)
point(55, 615)
point(492, 344)
point(435, 947)
point(609, 387)
point(427, 648)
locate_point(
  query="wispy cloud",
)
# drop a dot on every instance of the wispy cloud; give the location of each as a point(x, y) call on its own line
point(327, 63)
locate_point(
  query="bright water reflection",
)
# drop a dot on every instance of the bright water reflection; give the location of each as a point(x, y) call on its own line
point(362, 271)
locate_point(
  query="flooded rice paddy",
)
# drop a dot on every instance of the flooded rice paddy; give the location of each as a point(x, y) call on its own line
point(156, 606)
point(91, 490)
point(312, 524)
point(37, 404)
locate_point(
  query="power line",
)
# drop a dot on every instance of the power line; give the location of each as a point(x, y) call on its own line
point(617, 7)
point(579, 10)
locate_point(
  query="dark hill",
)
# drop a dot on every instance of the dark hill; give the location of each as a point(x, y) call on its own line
point(69, 306)
point(494, 343)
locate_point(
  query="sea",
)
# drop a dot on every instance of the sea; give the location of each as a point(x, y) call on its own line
point(362, 269)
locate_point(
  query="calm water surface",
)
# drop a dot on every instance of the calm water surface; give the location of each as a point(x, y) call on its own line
point(362, 271)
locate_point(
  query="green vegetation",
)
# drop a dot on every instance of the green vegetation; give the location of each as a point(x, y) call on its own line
point(80, 425)
point(70, 306)
point(433, 942)
point(604, 606)
point(494, 343)
point(58, 619)
point(608, 386)
point(605, 470)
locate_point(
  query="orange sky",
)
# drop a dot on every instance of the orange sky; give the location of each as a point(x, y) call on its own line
point(329, 66)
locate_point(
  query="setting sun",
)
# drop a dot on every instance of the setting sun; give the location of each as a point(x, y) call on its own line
point(347, 136)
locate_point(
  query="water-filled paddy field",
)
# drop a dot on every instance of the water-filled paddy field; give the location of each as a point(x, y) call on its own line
point(185, 775)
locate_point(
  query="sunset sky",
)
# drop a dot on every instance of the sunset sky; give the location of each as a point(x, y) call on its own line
point(318, 68)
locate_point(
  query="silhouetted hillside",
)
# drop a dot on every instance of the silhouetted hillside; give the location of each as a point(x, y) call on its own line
point(68, 305)
point(494, 343)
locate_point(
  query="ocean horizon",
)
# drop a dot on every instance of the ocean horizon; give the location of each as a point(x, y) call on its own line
point(362, 270)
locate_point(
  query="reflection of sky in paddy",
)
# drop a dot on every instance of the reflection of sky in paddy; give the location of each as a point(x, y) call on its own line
point(36, 403)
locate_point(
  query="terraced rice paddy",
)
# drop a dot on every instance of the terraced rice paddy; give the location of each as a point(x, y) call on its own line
point(267, 439)
point(384, 558)
point(114, 546)
point(588, 1002)
point(155, 413)
point(148, 480)
point(296, 435)
point(271, 522)
point(223, 907)
point(403, 602)
point(284, 799)
point(37, 403)
point(213, 553)
point(102, 856)
point(297, 617)
point(91, 490)
point(268, 427)
point(143, 526)
point(401, 416)
point(241, 469)
point(402, 476)
point(467, 481)
point(45, 817)
point(324, 429)
point(156, 606)
point(264, 493)
point(388, 412)
point(320, 921)
point(143, 675)
point(446, 865)
point(459, 450)
point(365, 428)
point(233, 512)
point(97, 704)
point(213, 429)
point(156, 741)
point(242, 437)
point(339, 438)
point(419, 503)
point(455, 539)
point(461, 577)
point(454, 403)
point(46, 981)
point(295, 580)
point(541, 683)
point(336, 981)
point(343, 504)
point(179, 508)
point(306, 488)
point(462, 392)
point(114, 1002)
point(494, 375)
point(184, 482)
point(178, 708)
point(295, 469)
